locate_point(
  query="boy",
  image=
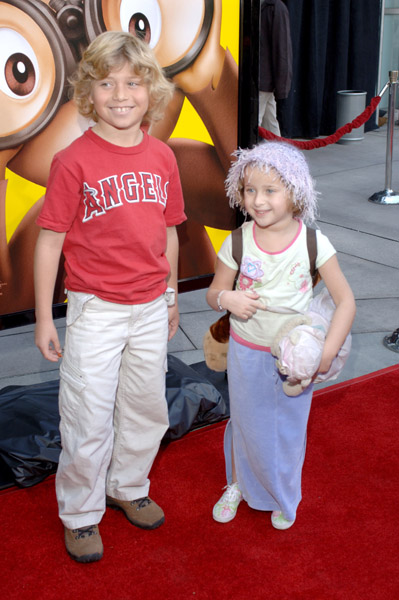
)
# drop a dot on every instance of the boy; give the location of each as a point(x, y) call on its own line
point(112, 205)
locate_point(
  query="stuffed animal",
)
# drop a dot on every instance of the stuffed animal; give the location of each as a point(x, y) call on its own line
point(298, 346)
point(216, 344)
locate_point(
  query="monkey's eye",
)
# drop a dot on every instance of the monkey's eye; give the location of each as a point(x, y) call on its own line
point(19, 69)
point(142, 19)
point(35, 62)
point(177, 30)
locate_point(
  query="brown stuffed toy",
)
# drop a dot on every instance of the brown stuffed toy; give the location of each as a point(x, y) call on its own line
point(216, 344)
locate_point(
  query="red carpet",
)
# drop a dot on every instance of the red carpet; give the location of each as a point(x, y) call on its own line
point(343, 546)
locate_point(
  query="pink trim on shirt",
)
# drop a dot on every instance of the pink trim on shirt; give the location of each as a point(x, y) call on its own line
point(284, 249)
point(243, 342)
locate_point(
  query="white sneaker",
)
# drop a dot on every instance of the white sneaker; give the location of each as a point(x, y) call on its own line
point(279, 522)
point(225, 509)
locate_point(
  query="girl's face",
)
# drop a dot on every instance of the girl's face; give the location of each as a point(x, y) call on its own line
point(121, 101)
point(266, 199)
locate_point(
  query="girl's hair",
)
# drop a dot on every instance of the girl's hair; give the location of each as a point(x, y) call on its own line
point(290, 165)
point(111, 50)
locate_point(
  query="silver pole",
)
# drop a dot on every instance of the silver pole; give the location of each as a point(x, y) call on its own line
point(391, 123)
point(388, 195)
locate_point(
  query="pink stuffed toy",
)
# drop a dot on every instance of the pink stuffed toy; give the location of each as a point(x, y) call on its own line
point(299, 343)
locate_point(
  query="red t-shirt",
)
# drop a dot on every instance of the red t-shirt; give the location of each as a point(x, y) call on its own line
point(114, 204)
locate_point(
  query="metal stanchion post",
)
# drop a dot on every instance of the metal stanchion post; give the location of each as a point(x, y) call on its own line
point(388, 195)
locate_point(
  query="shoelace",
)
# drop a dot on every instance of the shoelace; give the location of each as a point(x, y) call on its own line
point(141, 502)
point(232, 493)
point(82, 531)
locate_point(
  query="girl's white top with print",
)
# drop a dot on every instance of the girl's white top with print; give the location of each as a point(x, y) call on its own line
point(282, 279)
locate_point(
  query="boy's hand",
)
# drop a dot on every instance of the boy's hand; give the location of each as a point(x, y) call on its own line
point(46, 339)
point(243, 304)
point(173, 313)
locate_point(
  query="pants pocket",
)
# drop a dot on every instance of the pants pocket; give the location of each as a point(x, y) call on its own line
point(71, 375)
point(72, 386)
point(76, 302)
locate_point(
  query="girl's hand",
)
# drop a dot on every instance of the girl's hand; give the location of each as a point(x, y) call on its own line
point(242, 304)
point(324, 365)
point(326, 359)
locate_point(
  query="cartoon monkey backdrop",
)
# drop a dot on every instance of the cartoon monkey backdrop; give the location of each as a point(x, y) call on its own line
point(195, 41)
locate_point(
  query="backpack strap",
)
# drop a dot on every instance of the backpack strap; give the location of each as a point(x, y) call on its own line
point(220, 331)
point(236, 241)
point(311, 241)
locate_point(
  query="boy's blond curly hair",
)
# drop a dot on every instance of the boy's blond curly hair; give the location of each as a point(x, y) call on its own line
point(111, 50)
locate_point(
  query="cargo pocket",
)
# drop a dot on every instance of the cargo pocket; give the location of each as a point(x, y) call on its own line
point(72, 376)
point(72, 385)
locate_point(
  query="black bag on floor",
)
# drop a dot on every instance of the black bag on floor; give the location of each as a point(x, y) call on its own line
point(30, 442)
point(193, 400)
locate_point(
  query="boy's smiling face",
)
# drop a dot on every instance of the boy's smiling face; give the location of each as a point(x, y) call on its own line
point(121, 101)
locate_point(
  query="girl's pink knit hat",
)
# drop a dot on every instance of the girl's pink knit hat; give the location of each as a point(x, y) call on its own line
point(288, 162)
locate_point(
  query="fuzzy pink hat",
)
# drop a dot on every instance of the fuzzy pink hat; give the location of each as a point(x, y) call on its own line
point(288, 162)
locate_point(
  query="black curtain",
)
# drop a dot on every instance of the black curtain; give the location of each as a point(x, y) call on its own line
point(248, 85)
point(335, 47)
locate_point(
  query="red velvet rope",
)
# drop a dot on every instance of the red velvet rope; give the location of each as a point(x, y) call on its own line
point(334, 137)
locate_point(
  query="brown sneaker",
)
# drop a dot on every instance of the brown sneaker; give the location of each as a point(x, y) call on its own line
point(142, 512)
point(84, 544)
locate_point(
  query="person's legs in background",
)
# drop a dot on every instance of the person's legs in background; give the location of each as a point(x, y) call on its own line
point(268, 113)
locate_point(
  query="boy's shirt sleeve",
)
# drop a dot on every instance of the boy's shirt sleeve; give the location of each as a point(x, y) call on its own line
point(174, 211)
point(61, 202)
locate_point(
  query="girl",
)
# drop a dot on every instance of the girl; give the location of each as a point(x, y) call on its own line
point(265, 438)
